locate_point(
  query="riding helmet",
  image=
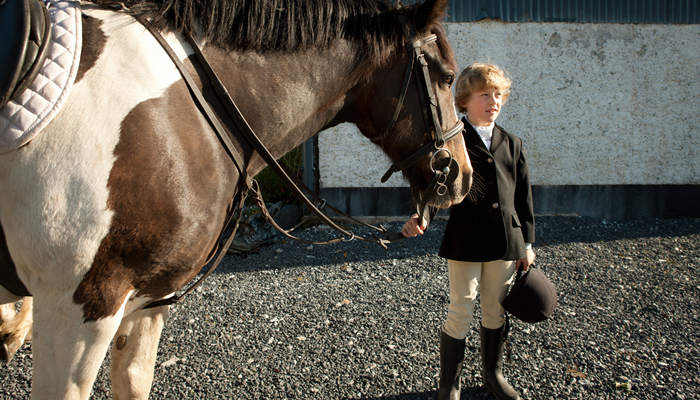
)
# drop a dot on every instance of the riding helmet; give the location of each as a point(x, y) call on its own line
point(532, 297)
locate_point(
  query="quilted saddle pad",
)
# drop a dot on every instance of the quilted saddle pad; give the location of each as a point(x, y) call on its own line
point(27, 115)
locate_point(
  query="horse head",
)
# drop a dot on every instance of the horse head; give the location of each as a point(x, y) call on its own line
point(406, 107)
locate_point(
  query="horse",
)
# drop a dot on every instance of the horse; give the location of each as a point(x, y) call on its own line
point(121, 199)
point(15, 327)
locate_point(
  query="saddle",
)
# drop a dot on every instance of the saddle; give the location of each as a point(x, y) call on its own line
point(25, 29)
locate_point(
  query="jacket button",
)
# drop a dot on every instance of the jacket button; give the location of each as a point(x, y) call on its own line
point(494, 205)
point(489, 160)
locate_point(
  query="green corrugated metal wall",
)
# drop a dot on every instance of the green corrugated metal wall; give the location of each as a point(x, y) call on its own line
point(598, 11)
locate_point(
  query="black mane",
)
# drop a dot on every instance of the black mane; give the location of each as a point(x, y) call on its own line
point(286, 25)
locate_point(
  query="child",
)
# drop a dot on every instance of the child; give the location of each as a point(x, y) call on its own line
point(488, 235)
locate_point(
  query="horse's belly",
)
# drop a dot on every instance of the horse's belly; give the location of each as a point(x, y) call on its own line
point(53, 202)
point(53, 207)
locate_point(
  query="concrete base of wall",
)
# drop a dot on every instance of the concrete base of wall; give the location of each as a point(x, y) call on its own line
point(602, 201)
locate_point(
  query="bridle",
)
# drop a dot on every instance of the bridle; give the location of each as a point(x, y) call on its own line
point(426, 95)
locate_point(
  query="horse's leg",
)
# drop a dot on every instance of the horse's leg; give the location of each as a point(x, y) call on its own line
point(27, 318)
point(68, 351)
point(7, 313)
point(15, 328)
point(134, 352)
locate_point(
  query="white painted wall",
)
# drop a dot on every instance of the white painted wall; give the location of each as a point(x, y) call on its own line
point(601, 104)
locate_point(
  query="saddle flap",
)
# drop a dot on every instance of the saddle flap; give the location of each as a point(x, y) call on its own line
point(25, 28)
point(14, 29)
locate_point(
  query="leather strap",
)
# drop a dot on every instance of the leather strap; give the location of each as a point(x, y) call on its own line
point(427, 93)
point(219, 250)
point(221, 247)
point(410, 160)
point(242, 127)
point(209, 114)
point(399, 104)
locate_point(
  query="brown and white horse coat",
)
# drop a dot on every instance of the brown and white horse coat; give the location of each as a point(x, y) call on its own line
point(94, 189)
point(120, 201)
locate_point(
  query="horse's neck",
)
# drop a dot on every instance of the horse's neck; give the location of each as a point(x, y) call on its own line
point(286, 98)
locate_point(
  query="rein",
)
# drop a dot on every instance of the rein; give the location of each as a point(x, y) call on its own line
point(234, 121)
point(241, 126)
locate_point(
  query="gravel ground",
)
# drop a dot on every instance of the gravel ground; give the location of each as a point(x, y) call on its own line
point(353, 321)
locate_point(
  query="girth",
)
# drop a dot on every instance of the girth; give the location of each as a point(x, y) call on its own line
point(25, 29)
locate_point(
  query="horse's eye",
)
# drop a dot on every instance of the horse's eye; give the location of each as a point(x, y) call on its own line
point(447, 79)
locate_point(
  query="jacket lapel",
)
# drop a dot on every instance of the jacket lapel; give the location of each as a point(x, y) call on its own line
point(474, 142)
point(496, 138)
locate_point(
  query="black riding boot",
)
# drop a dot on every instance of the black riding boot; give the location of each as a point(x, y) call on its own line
point(451, 359)
point(491, 362)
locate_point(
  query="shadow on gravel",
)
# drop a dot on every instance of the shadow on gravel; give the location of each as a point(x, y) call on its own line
point(554, 230)
point(467, 394)
point(551, 231)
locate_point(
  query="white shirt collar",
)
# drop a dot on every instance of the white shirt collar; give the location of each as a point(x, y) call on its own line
point(484, 132)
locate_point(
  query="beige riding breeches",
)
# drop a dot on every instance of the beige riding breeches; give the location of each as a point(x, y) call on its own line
point(490, 280)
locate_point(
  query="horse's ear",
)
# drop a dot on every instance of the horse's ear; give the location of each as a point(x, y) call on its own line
point(430, 12)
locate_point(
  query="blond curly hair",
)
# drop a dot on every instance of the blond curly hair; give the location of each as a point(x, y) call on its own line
point(480, 76)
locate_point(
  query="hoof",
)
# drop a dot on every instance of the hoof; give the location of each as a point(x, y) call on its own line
point(5, 356)
point(8, 347)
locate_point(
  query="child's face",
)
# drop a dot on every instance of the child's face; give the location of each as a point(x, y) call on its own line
point(484, 106)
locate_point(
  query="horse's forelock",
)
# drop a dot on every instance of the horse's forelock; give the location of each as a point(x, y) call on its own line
point(445, 49)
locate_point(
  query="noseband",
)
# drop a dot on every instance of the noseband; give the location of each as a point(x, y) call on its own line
point(426, 96)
